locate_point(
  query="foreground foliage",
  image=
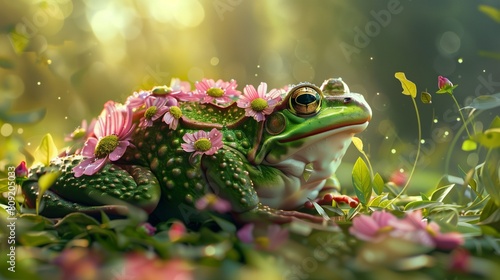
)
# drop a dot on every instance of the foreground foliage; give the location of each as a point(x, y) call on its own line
point(449, 232)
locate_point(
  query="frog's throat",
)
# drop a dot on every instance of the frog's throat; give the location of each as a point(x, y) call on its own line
point(306, 169)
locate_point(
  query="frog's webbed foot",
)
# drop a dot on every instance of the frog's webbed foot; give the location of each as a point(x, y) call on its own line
point(113, 190)
point(265, 213)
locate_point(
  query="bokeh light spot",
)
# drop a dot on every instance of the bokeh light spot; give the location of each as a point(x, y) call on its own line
point(6, 129)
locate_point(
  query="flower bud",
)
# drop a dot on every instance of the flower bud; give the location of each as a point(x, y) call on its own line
point(444, 83)
point(21, 170)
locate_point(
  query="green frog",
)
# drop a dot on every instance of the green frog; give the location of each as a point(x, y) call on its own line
point(169, 149)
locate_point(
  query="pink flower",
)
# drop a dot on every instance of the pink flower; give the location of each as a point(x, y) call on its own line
point(176, 231)
point(259, 103)
point(374, 227)
point(172, 116)
point(202, 142)
point(21, 170)
point(148, 228)
point(245, 233)
point(155, 109)
point(443, 82)
point(148, 267)
point(112, 135)
point(219, 92)
point(82, 132)
point(445, 85)
point(414, 227)
point(212, 202)
point(272, 240)
point(137, 99)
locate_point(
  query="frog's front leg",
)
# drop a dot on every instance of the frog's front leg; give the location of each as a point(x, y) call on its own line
point(228, 178)
point(112, 190)
point(231, 177)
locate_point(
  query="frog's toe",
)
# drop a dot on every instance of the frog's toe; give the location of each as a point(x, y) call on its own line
point(114, 189)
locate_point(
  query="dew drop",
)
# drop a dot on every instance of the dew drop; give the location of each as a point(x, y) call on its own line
point(435, 120)
point(393, 151)
point(460, 60)
point(39, 83)
point(422, 141)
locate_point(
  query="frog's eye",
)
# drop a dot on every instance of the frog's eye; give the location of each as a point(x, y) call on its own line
point(334, 86)
point(305, 100)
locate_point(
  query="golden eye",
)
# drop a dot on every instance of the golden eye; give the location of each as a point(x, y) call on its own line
point(305, 100)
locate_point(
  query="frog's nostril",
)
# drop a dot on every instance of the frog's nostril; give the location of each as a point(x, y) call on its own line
point(347, 100)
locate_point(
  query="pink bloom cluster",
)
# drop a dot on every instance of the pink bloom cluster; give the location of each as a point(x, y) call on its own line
point(412, 227)
point(107, 138)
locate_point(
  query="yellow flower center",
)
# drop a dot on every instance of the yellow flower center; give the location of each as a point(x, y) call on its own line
point(106, 145)
point(78, 133)
point(215, 92)
point(150, 112)
point(384, 229)
point(176, 112)
point(262, 241)
point(202, 144)
point(258, 104)
point(161, 90)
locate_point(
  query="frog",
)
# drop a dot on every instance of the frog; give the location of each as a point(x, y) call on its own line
point(167, 148)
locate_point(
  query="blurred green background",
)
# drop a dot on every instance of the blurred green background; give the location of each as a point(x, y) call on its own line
point(63, 59)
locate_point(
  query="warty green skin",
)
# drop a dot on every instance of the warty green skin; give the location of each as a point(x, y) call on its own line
point(260, 163)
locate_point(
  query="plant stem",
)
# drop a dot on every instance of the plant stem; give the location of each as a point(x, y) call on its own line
point(416, 157)
point(461, 115)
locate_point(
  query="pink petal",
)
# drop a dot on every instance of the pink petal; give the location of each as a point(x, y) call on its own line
point(80, 168)
point(119, 151)
point(245, 234)
point(89, 147)
point(95, 166)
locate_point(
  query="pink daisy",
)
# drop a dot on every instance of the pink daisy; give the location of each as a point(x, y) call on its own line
point(155, 109)
point(137, 100)
point(172, 116)
point(219, 92)
point(414, 227)
point(372, 228)
point(212, 202)
point(81, 132)
point(259, 103)
point(202, 142)
point(112, 135)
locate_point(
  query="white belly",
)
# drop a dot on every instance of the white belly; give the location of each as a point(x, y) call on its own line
point(305, 170)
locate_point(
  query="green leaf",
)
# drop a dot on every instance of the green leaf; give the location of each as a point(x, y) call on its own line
point(409, 88)
point(361, 181)
point(376, 201)
point(378, 183)
point(225, 225)
point(46, 151)
point(469, 145)
point(490, 11)
point(320, 211)
point(421, 204)
point(426, 97)
point(490, 175)
point(358, 143)
point(44, 183)
point(490, 138)
point(38, 238)
point(485, 102)
point(441, 193)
